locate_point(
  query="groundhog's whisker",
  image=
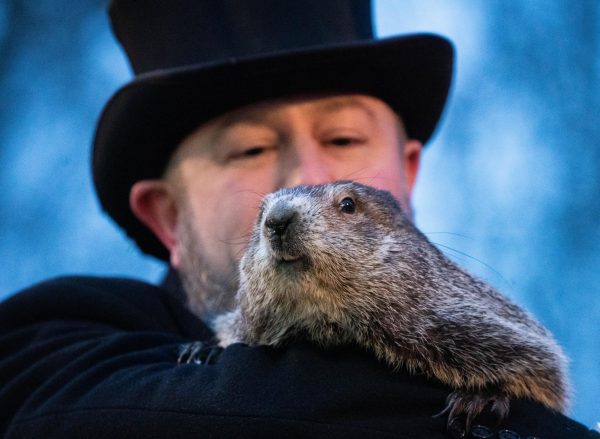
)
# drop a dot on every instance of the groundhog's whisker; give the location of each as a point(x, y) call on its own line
point(236, 240)
point(259, 195)
point(352, 175)
point(473, 258)
point(449, 233)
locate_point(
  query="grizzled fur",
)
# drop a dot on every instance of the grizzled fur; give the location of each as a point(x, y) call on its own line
point(368, 276)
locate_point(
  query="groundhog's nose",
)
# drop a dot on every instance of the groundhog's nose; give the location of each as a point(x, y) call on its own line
point(279, 219)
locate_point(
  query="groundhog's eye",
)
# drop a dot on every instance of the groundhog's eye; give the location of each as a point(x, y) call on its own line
point(347, 205)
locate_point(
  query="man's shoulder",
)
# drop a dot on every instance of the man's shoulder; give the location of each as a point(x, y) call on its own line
point(122, 302)
point(70, 295)
point(66, 285)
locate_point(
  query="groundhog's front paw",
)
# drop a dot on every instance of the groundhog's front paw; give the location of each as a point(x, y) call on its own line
point(198, 353)
point(189, 353)
point(464, 407)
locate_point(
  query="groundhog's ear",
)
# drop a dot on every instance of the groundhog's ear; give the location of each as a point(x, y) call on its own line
point(154, 204)
point(412, 159)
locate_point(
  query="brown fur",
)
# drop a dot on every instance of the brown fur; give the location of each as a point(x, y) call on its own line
point(371, 278)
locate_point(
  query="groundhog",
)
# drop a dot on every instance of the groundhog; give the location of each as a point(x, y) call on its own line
point(342, 263)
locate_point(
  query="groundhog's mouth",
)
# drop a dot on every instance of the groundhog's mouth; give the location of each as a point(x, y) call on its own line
point(291, 263)
point(289, 258)
point(285, 255)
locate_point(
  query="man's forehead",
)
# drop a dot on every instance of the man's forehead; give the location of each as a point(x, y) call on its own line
point(264, 111)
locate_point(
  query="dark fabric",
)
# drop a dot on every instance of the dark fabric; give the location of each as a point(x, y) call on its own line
point(173, 284)
point(89, 357)
point(163, 34)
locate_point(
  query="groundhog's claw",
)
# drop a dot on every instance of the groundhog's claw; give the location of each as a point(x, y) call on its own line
point(467, 405)
point(198, 353)
point(188, 353)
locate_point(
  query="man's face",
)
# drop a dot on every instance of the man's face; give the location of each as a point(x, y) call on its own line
point(220, 172)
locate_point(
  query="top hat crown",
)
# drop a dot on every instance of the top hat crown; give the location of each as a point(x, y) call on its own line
point(171, 34)
point(197, 59)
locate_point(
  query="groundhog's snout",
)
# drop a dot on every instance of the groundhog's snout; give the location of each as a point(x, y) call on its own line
point(279, 219)
point(280, 229)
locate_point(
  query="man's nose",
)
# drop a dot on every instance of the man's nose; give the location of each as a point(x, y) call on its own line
point(308, 165)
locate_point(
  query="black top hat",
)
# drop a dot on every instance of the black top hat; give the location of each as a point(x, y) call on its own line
point(196, 59)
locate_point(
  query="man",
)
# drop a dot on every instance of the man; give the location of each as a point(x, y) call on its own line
point(207, 202)
point(293, 93)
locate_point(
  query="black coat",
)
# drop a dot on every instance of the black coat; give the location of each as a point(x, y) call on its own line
point(89, 357)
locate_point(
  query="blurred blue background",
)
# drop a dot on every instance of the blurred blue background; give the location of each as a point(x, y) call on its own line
point(510, 186)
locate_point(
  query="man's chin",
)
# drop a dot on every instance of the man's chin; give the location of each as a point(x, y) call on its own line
point(209, 290)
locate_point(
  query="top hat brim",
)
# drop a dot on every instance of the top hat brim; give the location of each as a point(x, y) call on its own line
point(146, 119)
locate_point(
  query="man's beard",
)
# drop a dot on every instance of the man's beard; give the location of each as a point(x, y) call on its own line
point(209, 292)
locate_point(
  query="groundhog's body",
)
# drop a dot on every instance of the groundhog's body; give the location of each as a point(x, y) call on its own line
point(341, 263)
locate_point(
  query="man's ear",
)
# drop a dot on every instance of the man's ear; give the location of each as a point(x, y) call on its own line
point(412, 159)
point(154, 204)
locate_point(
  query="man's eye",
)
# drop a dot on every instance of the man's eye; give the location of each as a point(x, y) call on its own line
point(257, 150)
point(250, 152)
point(345, 141)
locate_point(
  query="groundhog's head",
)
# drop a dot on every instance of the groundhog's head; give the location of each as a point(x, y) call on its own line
point(322, 250)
